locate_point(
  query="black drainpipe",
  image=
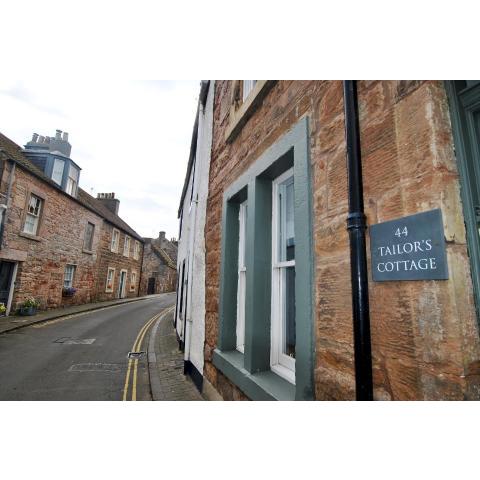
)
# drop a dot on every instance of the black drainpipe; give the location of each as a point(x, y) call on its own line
point(356, 225)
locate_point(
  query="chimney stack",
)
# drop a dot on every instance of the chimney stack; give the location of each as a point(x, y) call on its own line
point(161, 236)
point(109, 201)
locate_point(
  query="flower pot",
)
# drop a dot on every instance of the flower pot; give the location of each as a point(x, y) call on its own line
point(27, 311)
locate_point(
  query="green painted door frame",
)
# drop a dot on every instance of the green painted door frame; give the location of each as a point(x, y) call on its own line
point(464, 100)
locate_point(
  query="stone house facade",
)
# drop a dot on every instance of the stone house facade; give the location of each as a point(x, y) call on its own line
point(54, 235)
point(159, 266)
point(278, 320)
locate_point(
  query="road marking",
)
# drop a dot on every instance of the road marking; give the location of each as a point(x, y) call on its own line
point(75, 341)
point(136, 347)
point(95, 367)
point(130, 361)
point(46, 323)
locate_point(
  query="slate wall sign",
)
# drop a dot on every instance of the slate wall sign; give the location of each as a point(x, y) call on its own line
point(409, 248)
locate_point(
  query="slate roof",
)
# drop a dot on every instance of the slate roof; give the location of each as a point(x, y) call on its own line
point(14, 152)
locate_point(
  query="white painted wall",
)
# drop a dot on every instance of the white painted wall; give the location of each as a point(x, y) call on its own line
point(192, 243)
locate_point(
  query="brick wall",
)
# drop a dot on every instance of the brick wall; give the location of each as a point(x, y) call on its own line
point(59, 242)
point(425, 337)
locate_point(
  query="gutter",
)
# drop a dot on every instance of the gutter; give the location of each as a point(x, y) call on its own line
point(204, 85)
point(356, 226)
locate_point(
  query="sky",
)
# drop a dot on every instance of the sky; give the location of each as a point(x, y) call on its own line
point(128, 137)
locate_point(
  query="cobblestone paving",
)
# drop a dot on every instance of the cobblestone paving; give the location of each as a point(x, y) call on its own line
point(171, 383)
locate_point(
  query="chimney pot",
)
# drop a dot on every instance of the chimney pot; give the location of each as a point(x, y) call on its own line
point(34, 137)
point(65, 136)
point(58, 135)
point(41, 139)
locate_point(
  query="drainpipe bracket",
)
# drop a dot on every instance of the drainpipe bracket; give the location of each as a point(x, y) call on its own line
point(356, 220)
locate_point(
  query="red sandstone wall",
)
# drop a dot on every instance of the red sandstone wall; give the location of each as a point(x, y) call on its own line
point(59, 241)
point(425, 336)
point(107, 258)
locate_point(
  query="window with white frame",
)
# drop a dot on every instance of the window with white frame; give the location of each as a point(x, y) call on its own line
point(136, 250)
point(126, 246)
point(72, 181)
point(88, 240)
point(133, 281)
point(57, 173)
point(110, 279)
point(115, 240)
point(279, 356)
point(32, 217)
point(247, 88)
point(242, 271)
point(282, 352)
point(68, 276)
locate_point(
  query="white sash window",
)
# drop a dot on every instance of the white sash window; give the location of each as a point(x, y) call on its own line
point(282, 355)
point(242, 272)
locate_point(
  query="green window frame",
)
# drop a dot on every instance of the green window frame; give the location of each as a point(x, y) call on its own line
point(467, 156)
point(251, 371)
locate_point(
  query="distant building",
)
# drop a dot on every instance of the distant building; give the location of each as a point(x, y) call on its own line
point(58, 244)
point(159, 266)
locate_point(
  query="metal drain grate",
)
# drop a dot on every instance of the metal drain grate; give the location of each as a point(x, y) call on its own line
point(135, 355)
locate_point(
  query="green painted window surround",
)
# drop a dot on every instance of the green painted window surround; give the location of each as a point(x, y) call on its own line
point(467, 166)
point(251, 371)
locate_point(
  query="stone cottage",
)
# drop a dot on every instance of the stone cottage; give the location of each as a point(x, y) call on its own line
point(58, 244)
point(286, 287)
point(159, 266)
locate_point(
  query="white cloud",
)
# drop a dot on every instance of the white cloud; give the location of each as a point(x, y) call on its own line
point(129, 137)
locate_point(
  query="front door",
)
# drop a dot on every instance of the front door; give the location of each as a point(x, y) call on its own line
point(151, 286)
point(6, 272)
point(121, 286)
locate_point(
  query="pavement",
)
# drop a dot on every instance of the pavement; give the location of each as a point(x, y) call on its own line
point(13, 322)
point(80, 353)
point(165, 364)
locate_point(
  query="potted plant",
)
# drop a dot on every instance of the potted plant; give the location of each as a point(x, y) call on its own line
point(68, 291)
point(3, 309)
point(29, 306)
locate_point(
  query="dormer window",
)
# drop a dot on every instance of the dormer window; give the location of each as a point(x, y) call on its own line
point(72, 181)
point(57, 173)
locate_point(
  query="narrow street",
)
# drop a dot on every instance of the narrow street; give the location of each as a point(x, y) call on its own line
point(82, 357)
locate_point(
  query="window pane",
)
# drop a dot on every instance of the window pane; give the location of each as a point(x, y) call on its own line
point(31, 223)
point(248, 87)
point(70, 186)
point(68, 276)
point(34, 205)
point(288, 340)
point(73, 173)
point(89, 236)
point(286, 221)
point(57, 173)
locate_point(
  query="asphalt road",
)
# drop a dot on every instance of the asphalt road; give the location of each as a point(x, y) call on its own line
point(83, 357)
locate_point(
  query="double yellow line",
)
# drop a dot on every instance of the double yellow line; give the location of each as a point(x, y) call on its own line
point(137, 345)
